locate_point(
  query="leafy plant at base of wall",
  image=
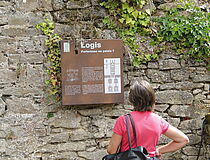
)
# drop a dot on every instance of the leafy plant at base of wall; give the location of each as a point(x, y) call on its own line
point(50, 115)
point(54, 71)
point(128, 19)
point(190, 32)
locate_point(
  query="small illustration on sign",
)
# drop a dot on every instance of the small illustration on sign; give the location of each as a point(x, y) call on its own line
point(66, 47)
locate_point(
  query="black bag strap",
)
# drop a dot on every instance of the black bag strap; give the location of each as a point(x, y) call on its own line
point(134, 129)
point(202, 137)
point(128, 131)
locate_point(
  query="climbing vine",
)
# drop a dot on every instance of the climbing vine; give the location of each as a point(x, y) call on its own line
point(186, 26)
point(129, 18)
point(189, 31)
point(54, 70)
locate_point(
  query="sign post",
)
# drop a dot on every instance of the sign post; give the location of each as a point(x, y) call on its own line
point(93, 74)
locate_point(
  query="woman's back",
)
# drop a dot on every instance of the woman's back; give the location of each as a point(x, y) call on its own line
point(149, 127)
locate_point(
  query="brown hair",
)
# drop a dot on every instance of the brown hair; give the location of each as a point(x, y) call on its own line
point(142, 96)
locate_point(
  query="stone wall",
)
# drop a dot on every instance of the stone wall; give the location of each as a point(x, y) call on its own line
point(82, 132)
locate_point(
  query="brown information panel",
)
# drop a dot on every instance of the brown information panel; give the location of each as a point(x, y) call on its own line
point(92, 73)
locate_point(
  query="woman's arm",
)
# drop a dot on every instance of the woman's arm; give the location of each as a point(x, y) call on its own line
point(114, 143)
point(179, 140)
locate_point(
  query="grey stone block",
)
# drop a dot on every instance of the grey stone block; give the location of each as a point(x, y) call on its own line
point(159, 76)
point(181, 111)
point(169, 64)
point(174, 97)
point(78, 4)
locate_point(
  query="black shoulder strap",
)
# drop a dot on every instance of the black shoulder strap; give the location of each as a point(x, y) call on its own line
point(202, 137)
point(128, 132)
point(134, 129)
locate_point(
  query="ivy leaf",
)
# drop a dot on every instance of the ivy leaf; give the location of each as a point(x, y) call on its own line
point(148, 11)
point(136, 61)
point(125, 6)
point(53, 91)
point(148, 57)
point(135, 14)
point(130, 9)
point(121, 20)
point(129, 20)
point(50, 115)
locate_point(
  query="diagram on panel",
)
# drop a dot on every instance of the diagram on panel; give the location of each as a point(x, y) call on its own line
point(112, 77)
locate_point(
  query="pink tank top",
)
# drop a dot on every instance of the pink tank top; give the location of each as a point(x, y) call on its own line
point(149, 127)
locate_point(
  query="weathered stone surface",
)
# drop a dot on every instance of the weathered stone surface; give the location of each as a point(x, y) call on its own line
point(8, 45)
point(46, 5)
point(68, 30)
point(153, 65)
point(6, 10)
point(168, 6)
point(168, 64)
point(88, 112)
point(40, 132)
point(2, 107)
point(14, 31)
point(98, 154)
point(27, 5)
point(108, 34)
point(35, 75)
point(73, 146)
point(201, 78)
point(7, 76)
point(4, 20)
point(20, 91)
point(181, 111)
point(200, 97)
point(35, 58)
point(173, 121)
point(104, 127)
point(3, 61)
point(194, 139)
point(66, 155)
point(80, 134)
point(66, 119)
point(58, 4)
point(18, 19)
point(191, 124)
point(196, 91)
point(206, 87)
point(60, 137)
point(116, 112)
point(185, 85)
point(3, 146)
point(180, 75)
point(48, 148)
point(31, 45)
point(78, 4)
point(162, 107)
point(174, 97)
point(158, 76)
point(5, 3)
point(68, 16)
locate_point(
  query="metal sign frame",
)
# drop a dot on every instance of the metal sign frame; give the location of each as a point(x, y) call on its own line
point(92, 73)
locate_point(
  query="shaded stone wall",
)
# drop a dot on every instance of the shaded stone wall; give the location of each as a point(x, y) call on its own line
point(82, 132)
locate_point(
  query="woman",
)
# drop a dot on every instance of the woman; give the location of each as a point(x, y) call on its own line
point(149, 126)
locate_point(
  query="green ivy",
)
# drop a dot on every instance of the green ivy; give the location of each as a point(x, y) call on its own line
point(54, 71)
point(189, 32)
point(50, 115)
point(128, 19)
point(186, 26)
